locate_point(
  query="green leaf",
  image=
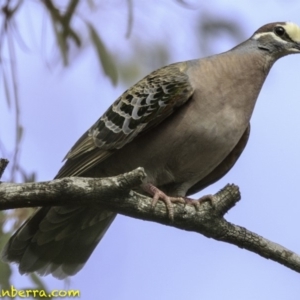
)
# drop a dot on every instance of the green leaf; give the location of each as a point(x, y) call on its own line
point(5, 274)
point(5, 269)
point(73, 35)
point(61, 40)
point(104, 57)
point(62, 43)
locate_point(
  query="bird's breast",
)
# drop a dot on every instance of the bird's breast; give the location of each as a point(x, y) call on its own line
point(198, 136)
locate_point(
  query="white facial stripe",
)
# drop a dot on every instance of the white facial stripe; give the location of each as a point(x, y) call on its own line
point(274, 36)
point(293, 30)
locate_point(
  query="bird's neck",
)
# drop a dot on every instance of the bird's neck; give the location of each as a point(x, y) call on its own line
point(231, 81)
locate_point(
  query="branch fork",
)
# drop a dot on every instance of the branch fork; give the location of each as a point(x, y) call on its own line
point(117, 194)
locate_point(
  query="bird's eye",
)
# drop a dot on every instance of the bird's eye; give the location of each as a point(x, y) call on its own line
point(280, 31)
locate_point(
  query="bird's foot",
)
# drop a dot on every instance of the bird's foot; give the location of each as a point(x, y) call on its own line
point(196, 203)
point(159, 195)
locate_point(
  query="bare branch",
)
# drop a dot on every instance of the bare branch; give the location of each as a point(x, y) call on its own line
point(70, 191)
point(115, 193)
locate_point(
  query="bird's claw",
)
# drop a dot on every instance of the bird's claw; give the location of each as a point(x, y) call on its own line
point(196, 203)
point(158, 195)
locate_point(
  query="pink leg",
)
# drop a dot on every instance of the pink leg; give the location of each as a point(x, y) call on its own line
point(159, 195)
point(197, 203)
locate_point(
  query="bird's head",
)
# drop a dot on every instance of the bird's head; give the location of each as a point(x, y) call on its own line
point(278, 39)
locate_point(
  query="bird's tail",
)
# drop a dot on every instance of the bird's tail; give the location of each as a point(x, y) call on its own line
point(57, 240)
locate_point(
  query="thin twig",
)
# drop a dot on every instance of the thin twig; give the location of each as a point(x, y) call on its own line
point(18, 126)
point(130, 18)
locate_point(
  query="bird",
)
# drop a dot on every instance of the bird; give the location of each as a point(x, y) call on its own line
point(186, 124)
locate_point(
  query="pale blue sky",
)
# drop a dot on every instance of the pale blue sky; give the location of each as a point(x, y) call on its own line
point(144, 260)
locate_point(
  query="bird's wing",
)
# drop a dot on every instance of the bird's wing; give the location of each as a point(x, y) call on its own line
point(224, 167)
point(137, 110)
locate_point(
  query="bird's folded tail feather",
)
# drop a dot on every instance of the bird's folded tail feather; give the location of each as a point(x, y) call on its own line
point(57, 240)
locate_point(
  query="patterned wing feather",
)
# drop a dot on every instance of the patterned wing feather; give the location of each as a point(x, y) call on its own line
point(138, 109)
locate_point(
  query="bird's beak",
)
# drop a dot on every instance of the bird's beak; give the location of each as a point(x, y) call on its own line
point(296, 47)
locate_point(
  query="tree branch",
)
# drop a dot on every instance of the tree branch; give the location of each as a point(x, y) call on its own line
point(116, 194)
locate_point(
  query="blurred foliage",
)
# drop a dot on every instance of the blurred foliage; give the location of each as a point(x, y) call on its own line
point(105, 58)
point(209, 26)
point(61, 14)
point(5, 270)
point(62, 26)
